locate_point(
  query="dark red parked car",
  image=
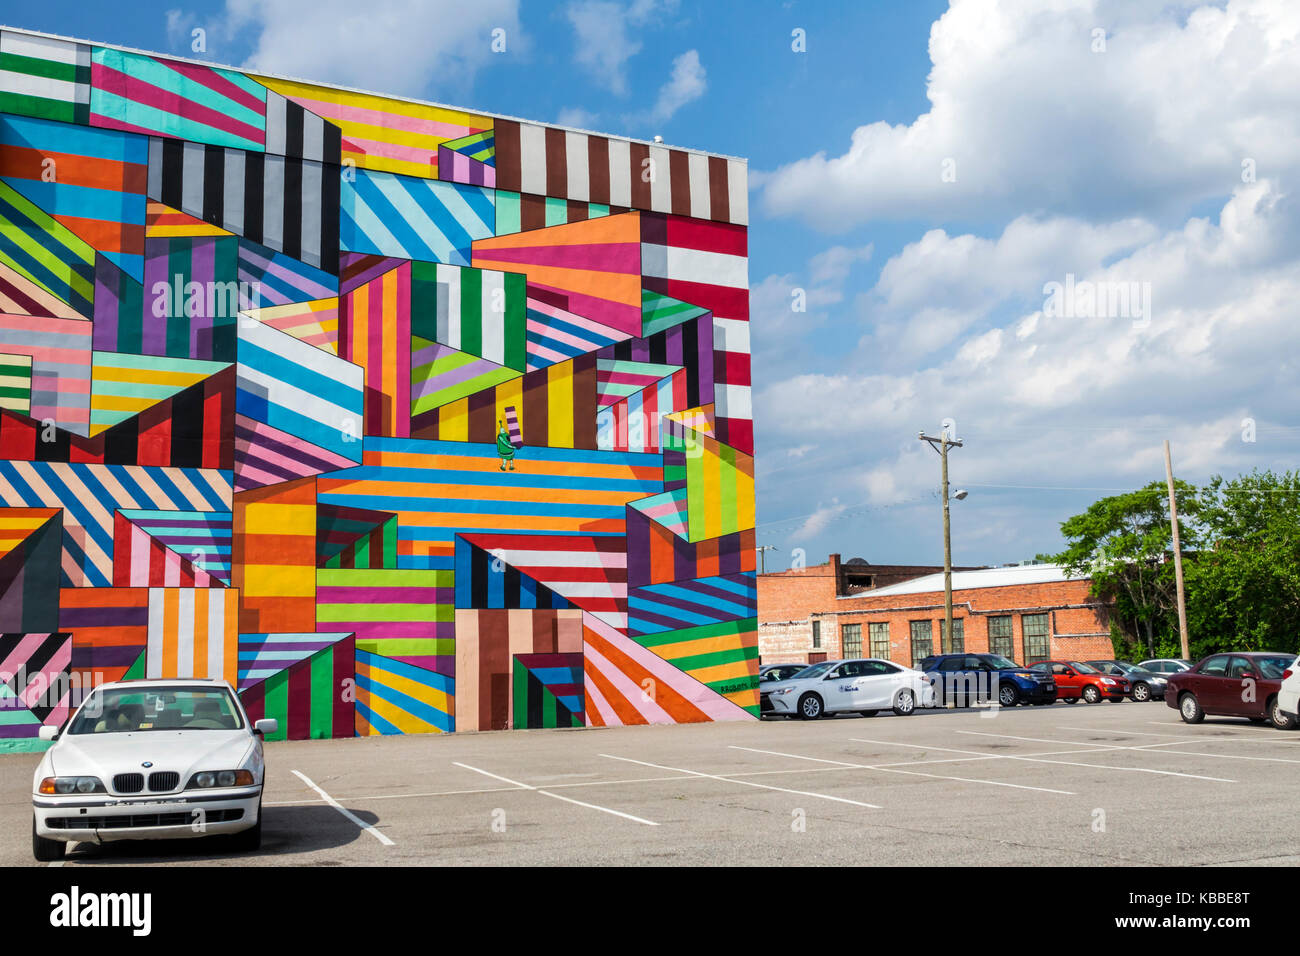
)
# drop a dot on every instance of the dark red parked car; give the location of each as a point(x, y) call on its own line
point(1238, 684)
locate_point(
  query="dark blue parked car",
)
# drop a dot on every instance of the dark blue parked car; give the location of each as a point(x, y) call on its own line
point(964, 679)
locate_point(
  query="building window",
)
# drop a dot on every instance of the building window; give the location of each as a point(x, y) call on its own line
point(957, 643)
point(922, 641)
point(851, 640)
point(879, 635)
point(1000, 640)
point(1038, 646)
point(817, 634)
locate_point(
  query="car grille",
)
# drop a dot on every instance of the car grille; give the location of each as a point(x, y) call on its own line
point(133, 820)
point(128, 782)
point(164, 780)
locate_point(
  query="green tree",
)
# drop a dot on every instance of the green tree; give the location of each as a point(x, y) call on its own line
point(1243, 587)
point(1124, 543)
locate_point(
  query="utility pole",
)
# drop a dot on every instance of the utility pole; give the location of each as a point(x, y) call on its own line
point(762, 556)
point(1178, 555)
point(941, 445)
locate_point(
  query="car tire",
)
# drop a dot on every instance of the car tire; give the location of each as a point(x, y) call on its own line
point(1280, 720)
point(46, 851)
point(811, 707)
point(1091, 694)
point(250, 840)
point(905, 703)
point(868, 713)
point(1189, 708)
point(1008, 695)
point(1141, 692)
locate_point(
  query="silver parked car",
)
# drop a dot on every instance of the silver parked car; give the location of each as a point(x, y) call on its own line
point(864, 686)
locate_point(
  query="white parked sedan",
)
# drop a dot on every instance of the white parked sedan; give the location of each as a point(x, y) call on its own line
point(863, 685)
point(1288, 695)
point(151, 760)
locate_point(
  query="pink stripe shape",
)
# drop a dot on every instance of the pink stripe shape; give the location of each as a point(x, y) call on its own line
point(623, 258)
point(218, 82)
point(713, 704)
point(138, 91)
point(621, 316)
point(21, 653)
point(555, 312)
point(395, 121)
point(139, 557)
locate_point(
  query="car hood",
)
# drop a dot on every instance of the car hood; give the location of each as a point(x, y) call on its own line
point(185, 751)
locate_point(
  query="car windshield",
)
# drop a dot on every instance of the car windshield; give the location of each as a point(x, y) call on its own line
point(816, 670)
point(1271, 668)
point(1001, 663)
point(1083, 668)
point(128, 710)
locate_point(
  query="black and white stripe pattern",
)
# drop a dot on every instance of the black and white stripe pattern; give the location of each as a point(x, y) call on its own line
point(292, 130)
point(287, 204)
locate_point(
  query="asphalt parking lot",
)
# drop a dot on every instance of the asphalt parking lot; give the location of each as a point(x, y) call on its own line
point(1106, 784)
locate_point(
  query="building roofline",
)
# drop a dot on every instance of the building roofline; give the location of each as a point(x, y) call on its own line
point(352, 89)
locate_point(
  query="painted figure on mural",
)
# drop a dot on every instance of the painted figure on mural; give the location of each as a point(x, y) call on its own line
point(504, 448)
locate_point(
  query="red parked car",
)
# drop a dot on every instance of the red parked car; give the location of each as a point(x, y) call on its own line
point(1076, 681)
point(1239, 684)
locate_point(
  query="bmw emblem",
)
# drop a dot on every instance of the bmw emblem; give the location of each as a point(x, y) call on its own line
point(147, 764)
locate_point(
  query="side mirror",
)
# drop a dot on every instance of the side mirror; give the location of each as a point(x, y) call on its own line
point(267, 725)
point(1249, 675)
point(48, 733)
point(1068, 673)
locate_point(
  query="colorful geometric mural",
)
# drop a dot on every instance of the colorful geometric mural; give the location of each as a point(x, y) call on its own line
point(399, 418)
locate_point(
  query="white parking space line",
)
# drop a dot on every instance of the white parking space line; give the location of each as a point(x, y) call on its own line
point(486, 773)
point(592, 806)
point(887, 768)
point(748, 783)
point(1097, 766)
point(343, 810)
point(556, 796)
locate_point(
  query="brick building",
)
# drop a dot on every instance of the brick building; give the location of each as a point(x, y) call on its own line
point(1028, 613)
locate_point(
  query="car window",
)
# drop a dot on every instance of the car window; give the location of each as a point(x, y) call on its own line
point(1215, 666)
point(1083, 668)
point(816, 670)
point(136, 710)
point(998, 662)
point(1271, 668)
point(876, 668)
point(1042, 668)
point(1238, 666)
point(972, 663)
point(1059, 669)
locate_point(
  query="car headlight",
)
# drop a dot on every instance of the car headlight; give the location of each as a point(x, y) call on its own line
point(1160, 680)
point(220, 778)
point(1107, 680)
point(66, 785)
point(784, 690)
point(1024, 676)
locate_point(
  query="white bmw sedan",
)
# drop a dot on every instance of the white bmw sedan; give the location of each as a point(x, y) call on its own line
point(151, 760)
point(865, 686)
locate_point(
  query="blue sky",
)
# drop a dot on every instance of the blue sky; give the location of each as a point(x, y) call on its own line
point(923, 175)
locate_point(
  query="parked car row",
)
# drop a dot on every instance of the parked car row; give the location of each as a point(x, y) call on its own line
point(1260, 686)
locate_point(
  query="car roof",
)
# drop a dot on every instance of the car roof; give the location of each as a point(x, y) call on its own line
point(143, 683)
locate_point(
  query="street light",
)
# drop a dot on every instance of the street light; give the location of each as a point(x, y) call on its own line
point(941, 445)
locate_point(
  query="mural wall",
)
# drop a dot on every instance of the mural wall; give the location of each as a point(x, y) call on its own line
point(401, 419)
